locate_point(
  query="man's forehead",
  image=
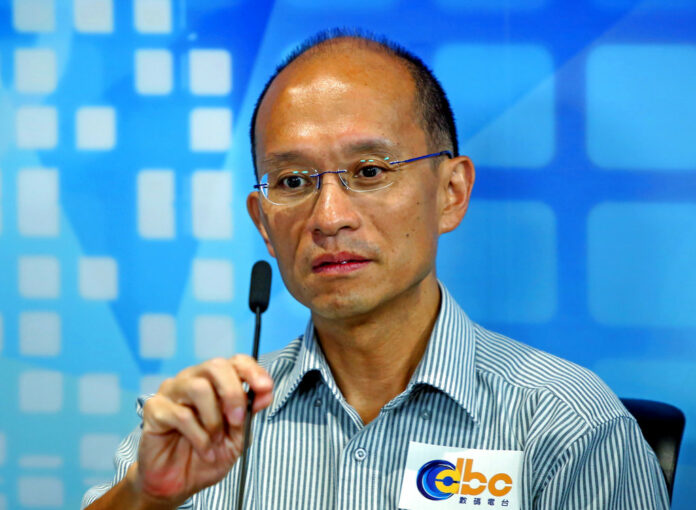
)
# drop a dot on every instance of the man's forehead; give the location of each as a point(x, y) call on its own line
point(341, 93)
point(333, 64)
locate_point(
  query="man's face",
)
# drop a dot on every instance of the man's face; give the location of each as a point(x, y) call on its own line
point(344, 254)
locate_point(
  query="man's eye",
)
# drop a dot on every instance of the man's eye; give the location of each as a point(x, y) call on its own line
point(370, 172)
point(293, 182)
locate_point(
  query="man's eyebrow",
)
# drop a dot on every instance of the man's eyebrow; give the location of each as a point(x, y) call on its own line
point(280, 158)
point(372, 146)
point(369, 146)
point(381, 147)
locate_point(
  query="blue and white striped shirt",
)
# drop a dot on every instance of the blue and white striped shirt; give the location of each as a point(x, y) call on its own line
point(472, 389)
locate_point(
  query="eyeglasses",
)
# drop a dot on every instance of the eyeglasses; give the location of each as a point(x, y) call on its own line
point(294, 184)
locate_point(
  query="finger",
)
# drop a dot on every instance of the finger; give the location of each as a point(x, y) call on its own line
point(198, 394)
point(254, 374)
point(262, 401)
point(228, 387)
point(161, 416)
point(258, 379)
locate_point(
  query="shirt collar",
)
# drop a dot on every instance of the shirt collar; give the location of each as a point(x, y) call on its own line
point(448, 361)
point(447, 364)
point(310, 358)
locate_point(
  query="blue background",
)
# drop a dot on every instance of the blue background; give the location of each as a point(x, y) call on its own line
point(580, 239)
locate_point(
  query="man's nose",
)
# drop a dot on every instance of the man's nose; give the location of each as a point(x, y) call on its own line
point(333, 208)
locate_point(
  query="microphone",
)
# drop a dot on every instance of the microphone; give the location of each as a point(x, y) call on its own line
point(260, 288)
point(259, 295)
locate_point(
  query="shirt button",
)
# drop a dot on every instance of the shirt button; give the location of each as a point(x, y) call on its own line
point(317, 403)
point(360, 454)
point(425, 414)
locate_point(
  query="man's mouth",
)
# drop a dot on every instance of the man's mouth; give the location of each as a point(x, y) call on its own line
point(338, 263)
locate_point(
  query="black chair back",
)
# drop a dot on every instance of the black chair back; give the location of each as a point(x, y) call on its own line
point(663, 427)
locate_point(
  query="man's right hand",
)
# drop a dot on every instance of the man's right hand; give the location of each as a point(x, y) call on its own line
point(193, 432)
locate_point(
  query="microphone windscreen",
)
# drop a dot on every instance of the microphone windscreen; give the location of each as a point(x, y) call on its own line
point(260, 288)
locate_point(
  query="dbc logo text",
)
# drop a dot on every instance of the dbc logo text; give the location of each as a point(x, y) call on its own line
point(440, 479)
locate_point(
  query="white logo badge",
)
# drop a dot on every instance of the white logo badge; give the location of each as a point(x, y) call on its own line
point(441, 478)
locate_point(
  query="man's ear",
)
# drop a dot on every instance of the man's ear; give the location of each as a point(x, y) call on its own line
point(254, 208)
point(457, 182)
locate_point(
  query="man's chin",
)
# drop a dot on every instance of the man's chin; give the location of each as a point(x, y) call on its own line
point(345, 306)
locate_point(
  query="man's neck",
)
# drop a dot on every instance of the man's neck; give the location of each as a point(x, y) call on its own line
point(373, 359)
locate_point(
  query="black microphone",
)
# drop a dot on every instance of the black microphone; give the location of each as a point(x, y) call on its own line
point(260, 287)
point(259, 295)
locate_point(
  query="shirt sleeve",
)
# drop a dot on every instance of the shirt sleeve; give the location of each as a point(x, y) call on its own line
point(126, 455)
point(610, 467)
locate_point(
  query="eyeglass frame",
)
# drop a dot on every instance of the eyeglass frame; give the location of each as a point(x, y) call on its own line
point(261, 187)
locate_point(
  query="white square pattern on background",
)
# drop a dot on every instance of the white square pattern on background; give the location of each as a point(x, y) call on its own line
point(41, 492)
point(153, 16)
point(34, 15)
point(156, 214)
point(210, 129)
point(149, 384)
point(36, 127)
point(153, 72)
point(39, 277)
point(212, 204)
point(99, 394)
point(38, 211)
point(95, 128)
point(39, 334)
point(97, 451)
point(157, 336)
point(35, 71)
point(40, 391)
point(212, 280)
point(98, 278)
point(40, 461)
point(213, 336)
point(94, 16)
point(210, 72)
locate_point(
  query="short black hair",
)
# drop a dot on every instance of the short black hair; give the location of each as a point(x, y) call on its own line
point(435, 111)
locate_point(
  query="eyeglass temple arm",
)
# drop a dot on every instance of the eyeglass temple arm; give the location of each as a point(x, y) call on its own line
point(433, 155)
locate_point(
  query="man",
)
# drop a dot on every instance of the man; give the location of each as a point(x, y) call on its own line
point(358, 174)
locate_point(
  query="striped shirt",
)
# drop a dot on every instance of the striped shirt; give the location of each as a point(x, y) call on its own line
point(472, 389)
